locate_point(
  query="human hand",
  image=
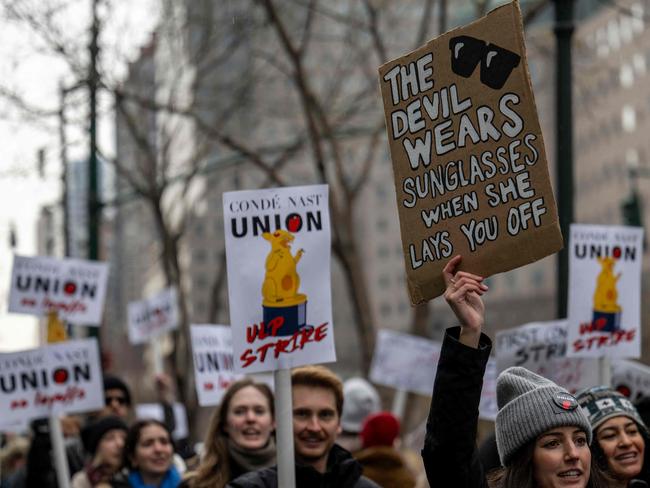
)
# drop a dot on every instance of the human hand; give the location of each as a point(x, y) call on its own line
point(165, 388)
point(463, 294)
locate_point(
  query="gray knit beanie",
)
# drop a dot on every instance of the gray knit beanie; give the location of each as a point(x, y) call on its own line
point(529, 405)
point(360, 399)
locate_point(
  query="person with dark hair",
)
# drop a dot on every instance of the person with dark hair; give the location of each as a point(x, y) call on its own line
point(542, 434)
point(379, 458)
point(317, 395)
point(103, 440)
point(239, 438)
point(117, 398)
point(620, 436)
point(642, 405)
point(148, 456)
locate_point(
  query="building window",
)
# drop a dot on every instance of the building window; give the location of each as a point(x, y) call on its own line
point(638, 23)
point(385, 309)
point(639, 63)
point(613, 35)
point(626, 76)
point(384, 281)
point(628, 118)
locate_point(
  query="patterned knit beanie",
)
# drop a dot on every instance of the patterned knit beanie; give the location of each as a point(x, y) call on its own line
point(601, 403)
point(529, 405)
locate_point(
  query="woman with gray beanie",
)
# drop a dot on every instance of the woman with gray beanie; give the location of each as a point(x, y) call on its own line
point(620, 436)
point(542, 434)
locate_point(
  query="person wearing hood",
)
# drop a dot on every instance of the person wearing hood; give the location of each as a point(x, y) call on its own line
point(542, 434)
point(379, 458)
point(620, 436)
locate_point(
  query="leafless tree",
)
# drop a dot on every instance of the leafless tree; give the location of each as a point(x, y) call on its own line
point(308, 67)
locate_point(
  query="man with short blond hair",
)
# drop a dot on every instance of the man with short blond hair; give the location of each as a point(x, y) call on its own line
point(317, 395)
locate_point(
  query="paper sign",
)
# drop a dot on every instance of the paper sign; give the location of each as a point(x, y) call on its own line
point(632, 379)
point(213, 362)
point(541, 348)
point(487, 409)
point(51, 380)
point(155, 411)
point(405, 362)
point(470, 168)
point(154, 316)
point(605, 291)
point(14, 426)
point(278, 256)
point(72, 287)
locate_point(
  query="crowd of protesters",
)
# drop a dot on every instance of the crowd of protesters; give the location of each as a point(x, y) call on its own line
point(545, 437)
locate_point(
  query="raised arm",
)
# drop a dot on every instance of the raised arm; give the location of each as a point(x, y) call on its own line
point(449, 454)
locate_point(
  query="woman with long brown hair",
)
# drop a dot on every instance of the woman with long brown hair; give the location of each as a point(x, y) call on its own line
point(239, 438)
point(542, 433)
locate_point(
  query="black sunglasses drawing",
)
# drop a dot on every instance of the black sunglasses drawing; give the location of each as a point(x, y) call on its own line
point(497, 63)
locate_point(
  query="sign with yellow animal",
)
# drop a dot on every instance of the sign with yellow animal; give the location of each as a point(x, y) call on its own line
point(278, 258)
point(468, 155)
point(604, 291)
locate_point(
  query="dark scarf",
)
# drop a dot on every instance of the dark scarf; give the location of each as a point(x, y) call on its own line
point(251, 459)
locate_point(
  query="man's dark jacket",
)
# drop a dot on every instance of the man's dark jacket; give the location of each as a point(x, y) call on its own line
point(450, 455)
point(343, 471)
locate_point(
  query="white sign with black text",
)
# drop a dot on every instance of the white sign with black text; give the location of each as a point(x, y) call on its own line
point(541, 348)
point(278, 248)
point(60, 378)
point(604, 312)
point(405, 362)
point(213, 362)
point(73, 288)
point(154, 316)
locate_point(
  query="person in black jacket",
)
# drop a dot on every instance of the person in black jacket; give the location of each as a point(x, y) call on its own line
point(542, 434)
point(620, 436)
point(317, 396)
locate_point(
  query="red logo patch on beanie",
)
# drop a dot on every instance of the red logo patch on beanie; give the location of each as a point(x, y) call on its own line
point(565, 401)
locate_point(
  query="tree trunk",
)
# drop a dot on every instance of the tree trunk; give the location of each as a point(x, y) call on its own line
point(347, 251)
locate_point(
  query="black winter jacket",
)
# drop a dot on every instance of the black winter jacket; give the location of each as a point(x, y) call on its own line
point(343, 471)
point(450, 455)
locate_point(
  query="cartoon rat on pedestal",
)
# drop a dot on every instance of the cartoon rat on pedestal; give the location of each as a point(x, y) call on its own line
point(281, 281)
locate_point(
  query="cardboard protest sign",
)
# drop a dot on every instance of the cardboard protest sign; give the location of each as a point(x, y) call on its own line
point(604, 291)
point(405, 362)
point(278, 257)
point(72, 287)
point(468, 155)
point(632, 379)
point(154, 316)
point(487, 409)
point(541, 347)
point(155, 411)
point(59, 378)
point(213, 362)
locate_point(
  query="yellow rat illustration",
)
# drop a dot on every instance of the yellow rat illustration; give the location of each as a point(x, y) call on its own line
point(606, 295)
point(281, 281)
